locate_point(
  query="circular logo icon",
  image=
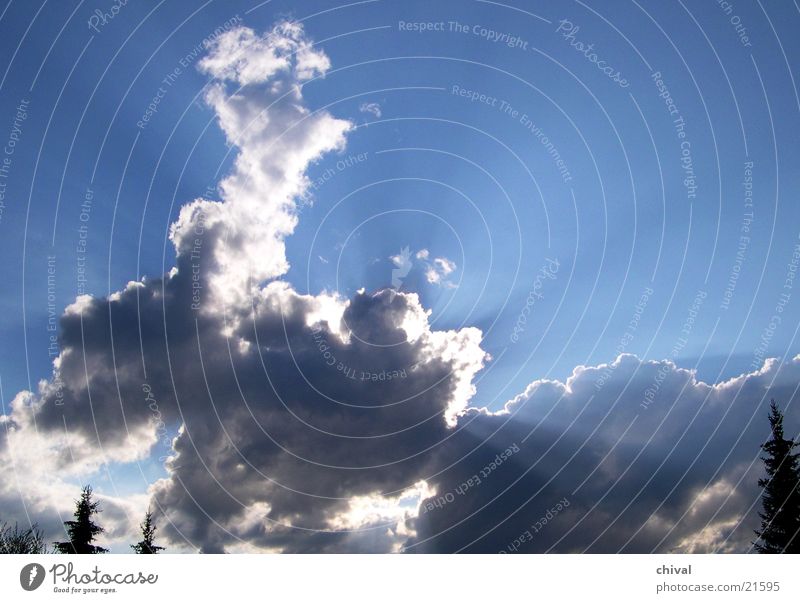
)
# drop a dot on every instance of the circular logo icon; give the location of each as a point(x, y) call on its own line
point(31, 576)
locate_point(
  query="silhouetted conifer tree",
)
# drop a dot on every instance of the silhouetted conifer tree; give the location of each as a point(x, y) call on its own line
point(82, 530)
point(146, 546)
point(780, 517)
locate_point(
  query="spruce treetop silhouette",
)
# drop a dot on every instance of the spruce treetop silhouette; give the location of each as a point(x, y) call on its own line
point(82, 530)
point(780, 517)
point(146, 546)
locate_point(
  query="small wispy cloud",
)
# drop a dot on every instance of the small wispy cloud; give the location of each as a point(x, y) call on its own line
point(373, 108)
point(444, 265)
point(438, 270)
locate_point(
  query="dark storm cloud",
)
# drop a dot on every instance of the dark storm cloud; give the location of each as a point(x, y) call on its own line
point(303, 421)
point(311, 402)
point(683, 477)
point(282, 412)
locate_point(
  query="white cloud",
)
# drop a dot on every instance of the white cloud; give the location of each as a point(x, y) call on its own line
point(401, 259)
point(437, 271)
point(240, 239)
point(373, 108)
point(444, 265)
point(243, 57)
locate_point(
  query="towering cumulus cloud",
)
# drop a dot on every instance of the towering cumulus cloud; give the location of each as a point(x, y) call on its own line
point(293, 422)
point(289, 422)
point(256, 94)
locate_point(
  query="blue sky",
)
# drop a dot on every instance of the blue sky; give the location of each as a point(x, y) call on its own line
point(618, 217)
point(450, 157)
